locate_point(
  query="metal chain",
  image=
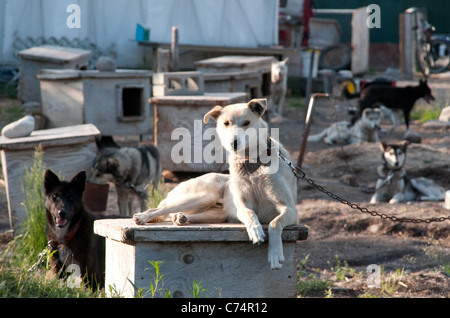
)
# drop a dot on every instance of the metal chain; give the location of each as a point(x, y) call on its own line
point(300, 174)
point(41, 256)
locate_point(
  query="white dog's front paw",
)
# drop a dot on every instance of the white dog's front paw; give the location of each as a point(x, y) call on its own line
point(255, 233)
point(139, 219)
point(276, 256)
point(179, 219)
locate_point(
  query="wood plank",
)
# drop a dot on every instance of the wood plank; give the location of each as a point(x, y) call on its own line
point(209, 99)
point(54, 54)
point(126, 231)
point(66, 74)
point(55, 137)
point(261, 50)
point(360, 41)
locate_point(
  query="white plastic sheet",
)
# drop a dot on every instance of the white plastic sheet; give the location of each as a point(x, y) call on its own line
point(242, 23)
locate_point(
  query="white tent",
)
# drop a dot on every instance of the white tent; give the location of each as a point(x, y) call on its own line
point(111, 24)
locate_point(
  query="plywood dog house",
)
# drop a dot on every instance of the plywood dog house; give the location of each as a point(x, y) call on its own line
point(115, 102)
point(46, 56)
point(235, 73)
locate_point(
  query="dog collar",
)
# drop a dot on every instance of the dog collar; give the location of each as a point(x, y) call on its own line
point(74, 232)
point(268, 150)
point(251, 167)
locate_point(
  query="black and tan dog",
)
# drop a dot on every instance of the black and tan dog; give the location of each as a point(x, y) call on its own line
point(70, 230)
point(402, 98)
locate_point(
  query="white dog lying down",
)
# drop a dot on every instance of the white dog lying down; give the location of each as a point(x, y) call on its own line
point(364, 130)
point(259, 188)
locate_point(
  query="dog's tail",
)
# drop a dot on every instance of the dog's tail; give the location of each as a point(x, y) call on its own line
point(318, 137)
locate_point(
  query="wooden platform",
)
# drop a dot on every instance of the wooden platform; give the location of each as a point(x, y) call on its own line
point(220, 256)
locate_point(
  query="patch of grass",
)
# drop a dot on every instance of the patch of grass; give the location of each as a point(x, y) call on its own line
point(368, 294)
point(340, 271)
point(390, 284)
point(31, 238)
point(424, 111)
point(9, 90)
point(312, 286)
point(436, 251)
point(446, 268)
point(11, 113)
point(301, 267)
point(18, 282)
point(156, 195)
point(295, 102)
point(423, 115)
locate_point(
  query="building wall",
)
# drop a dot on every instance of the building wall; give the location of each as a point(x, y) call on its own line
point(384, 51)
point(110, 25)
point(438, 12)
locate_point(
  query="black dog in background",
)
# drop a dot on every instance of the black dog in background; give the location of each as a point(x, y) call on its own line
point(402, 98)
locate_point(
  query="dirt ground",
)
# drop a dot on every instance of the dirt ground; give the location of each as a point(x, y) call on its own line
point(410, 255)
point(335, 230)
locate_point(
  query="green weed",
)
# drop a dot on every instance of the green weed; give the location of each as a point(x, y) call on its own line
point(312, 286)
point(340, 271)
point(31, 238)
point(196, 289)
point(156, 195)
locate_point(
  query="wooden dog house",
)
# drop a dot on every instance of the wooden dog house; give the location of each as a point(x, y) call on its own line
point(235, 73)
point(115, 102)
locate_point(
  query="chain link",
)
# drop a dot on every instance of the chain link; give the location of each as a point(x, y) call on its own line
point(301, 175)
point(42, 256)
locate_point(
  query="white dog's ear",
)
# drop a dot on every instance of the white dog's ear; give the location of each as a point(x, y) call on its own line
point(258, 106)
point(213, 113)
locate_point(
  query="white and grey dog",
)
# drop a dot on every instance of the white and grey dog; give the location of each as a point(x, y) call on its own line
point(259, 189)
point(131, 169)
point(364, 130)
point(278, 88)
point(394, 186)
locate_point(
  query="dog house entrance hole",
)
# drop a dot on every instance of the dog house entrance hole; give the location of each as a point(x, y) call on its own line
point(132, 103)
